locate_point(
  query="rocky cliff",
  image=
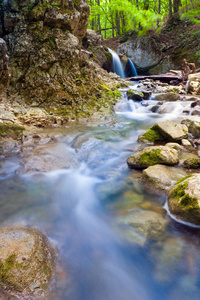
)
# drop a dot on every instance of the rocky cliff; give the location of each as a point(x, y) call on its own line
point(49, 69)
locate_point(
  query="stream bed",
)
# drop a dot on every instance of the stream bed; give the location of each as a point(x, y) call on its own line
point(115, 241)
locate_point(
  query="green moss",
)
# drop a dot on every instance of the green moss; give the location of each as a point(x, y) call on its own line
point(189, 202)
point(184, 200)
point(182, 179)
point(11, 130)
point(150, 158)
point(150, 135)
point(193, 163)
point(7, 266)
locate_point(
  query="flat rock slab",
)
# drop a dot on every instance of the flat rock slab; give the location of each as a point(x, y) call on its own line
point(172, 131)
point(153, 155)
point(26, 262)
point(159, 178)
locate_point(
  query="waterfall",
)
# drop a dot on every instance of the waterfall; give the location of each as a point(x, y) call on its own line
point(117, 65)
point(133, 69)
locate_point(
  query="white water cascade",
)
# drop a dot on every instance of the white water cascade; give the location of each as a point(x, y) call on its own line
point(117, 65)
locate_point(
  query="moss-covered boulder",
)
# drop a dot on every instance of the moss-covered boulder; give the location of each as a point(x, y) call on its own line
point(159, 178)
point(26, 262)
point(153, 155)
point(184, 199)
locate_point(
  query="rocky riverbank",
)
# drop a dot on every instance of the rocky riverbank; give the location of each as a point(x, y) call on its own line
point(171, 143)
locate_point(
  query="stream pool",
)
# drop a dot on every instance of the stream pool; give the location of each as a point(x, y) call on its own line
point(115, 242)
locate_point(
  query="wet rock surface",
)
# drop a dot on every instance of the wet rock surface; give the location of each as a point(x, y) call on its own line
point(153, 155)
point(159, 178)
point(184, 199)
point(26, 262)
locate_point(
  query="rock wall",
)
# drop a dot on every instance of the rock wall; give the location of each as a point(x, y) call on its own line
point(49, 69)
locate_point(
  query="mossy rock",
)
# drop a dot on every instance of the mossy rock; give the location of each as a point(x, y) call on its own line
point(192, 163)
point(135, 95)
point(184, 199)
point(26, 261)
point(13, 131)
point(151, 135)
point(153, 155)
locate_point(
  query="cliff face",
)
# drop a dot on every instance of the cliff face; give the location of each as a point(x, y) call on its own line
point(49, 69)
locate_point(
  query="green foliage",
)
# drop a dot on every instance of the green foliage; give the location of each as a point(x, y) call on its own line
point(129, 16)
point(191, 11)
point(114, 17)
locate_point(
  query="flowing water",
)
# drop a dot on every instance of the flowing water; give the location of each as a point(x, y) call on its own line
point(117, 65)
point(84, 210)
point(132, 66)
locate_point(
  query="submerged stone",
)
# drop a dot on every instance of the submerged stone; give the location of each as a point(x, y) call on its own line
point(153, 155)
point(140, 226)
point(26, 262)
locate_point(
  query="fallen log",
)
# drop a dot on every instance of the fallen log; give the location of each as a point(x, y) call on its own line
point(161, 77)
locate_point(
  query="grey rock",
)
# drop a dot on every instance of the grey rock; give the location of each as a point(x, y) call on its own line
point(159, 178)
point(172, 131)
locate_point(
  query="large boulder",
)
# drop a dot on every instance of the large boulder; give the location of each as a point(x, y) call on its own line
point(153, 155)
point(165, 131)
point(159, 178)
point(145, 54)
point(184, 199)
point(26, 262)
point(172, 131)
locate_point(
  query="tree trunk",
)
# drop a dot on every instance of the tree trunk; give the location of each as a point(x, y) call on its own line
point(98, 18)
point(176, 4)
point(170, 9)
point(118, 23)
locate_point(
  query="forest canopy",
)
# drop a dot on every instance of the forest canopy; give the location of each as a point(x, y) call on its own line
point(115, 17)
